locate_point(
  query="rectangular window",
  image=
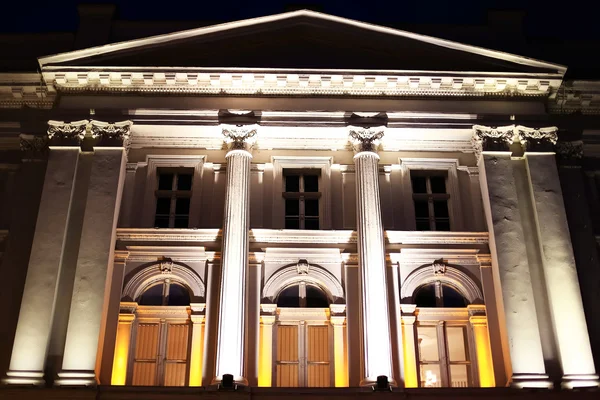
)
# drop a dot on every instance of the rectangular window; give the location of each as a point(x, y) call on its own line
point(173, 197)
point(443, 356)
point(431, 201)
point(301, 195)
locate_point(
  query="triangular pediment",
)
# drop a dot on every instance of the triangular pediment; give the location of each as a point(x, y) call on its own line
point(301, 40)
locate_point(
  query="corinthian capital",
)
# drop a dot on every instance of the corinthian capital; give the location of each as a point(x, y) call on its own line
point(33, 143)
point(490, 138)
point(72, 133)
point(115, 134)
point(537, 139)
point(239, 137)
point(365, 139)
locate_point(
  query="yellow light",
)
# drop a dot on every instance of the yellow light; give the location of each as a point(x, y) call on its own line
point(119, 372)
point(265, 351)
point(339, 348)
point(410, 359)
point(197, 350)
point(484, 351)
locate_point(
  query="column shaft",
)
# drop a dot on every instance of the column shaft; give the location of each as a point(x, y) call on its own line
point(339, 353)
point(94, 264)
point(511, 270)
point(560, 273)
point(37, 307)
point(375, 317)
point(485, 365)
point(411, 376)
point(197, 350)
point(121, 358)
point(230, 344)
point(265, 356)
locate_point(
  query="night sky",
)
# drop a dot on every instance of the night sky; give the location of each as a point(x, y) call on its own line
point(550, 18)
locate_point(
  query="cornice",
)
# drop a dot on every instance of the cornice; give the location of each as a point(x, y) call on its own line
point(298, 83)
point(576, 97)
point(25, 89)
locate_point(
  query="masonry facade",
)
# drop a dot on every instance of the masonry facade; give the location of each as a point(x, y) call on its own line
point(174, 215)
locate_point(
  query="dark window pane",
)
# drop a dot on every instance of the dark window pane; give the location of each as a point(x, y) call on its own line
point(184, 182)
point(178, 296)
point(165, 182)
point(311, 208)
point(316, 298)
point(419, 184)
point(438, 184)
point(425, 296)
point(452, 298)
point(292, 223)
point(421, 209)
point(292, 183)
point(311, 223)
point(292, 207)
point(152, 297)
point(181, 222)
point(163, 205)
point(440, 209)
point(289, 297)
point(423, 225)
point(311, 183)
point(182, 206)
point(442, 225)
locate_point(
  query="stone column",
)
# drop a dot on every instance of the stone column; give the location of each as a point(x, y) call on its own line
point(339, 349)
point(93, 273)
point(411, 375)
point(559, 268)
point(234, 254)
point(34, 326)
point(265, 355)
point(122, 344)
point(376, 339)
point(197, 347)
point(509, 256)
point(483, 349)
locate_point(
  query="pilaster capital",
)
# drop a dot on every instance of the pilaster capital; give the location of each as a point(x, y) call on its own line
point(537, 139)
point(239, 137)
point(476, 310)
point(338, 320)
point(34, 146)
point(126, 318)
point(490, 138)
point(267, 319)
point(111, 134)
point(570, 152)
point(365, 139)
point(128, 307)
point(67, 133)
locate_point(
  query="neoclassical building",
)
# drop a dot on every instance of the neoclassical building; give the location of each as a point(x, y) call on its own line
point(297, 201)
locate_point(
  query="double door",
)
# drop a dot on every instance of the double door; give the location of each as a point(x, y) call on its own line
point(303, 355)
point(161, 353)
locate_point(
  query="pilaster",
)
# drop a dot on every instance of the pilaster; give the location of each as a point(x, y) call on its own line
point(94, 271)
point(479, 325)
point(265, 357)
point(376, 340)
point(338, 320)
point(411, 375)
point(197, 345)
point(35, 321)
point(231, 330)
point(122, 344)
point(559, 268)
point(512, 277)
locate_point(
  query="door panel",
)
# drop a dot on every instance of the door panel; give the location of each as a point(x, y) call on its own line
point(146, 350)
point(287, 356)
point(318, 368)
point(176, 354)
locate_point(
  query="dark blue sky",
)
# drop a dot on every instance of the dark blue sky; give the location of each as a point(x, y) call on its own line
point(564, 19)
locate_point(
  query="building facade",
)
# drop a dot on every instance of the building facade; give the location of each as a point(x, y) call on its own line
point(298, 201)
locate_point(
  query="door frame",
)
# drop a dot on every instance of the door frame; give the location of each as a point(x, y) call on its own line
point(303, 317)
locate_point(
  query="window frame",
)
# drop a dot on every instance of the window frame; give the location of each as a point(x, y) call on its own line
point(431, 197)
point(299, 163)
point(301, 195)
point(174, 194)
point(435, 166)
point(153, 163)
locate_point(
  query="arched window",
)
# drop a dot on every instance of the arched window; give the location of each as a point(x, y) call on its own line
point(438, 294)
point(303, 295)
point(165, 293)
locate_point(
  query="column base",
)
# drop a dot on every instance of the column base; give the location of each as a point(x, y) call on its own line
point(579, 381)
point(24, 378)
point(372, 381)
point(237, 380)
point(531, 381)
point(76, 378)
